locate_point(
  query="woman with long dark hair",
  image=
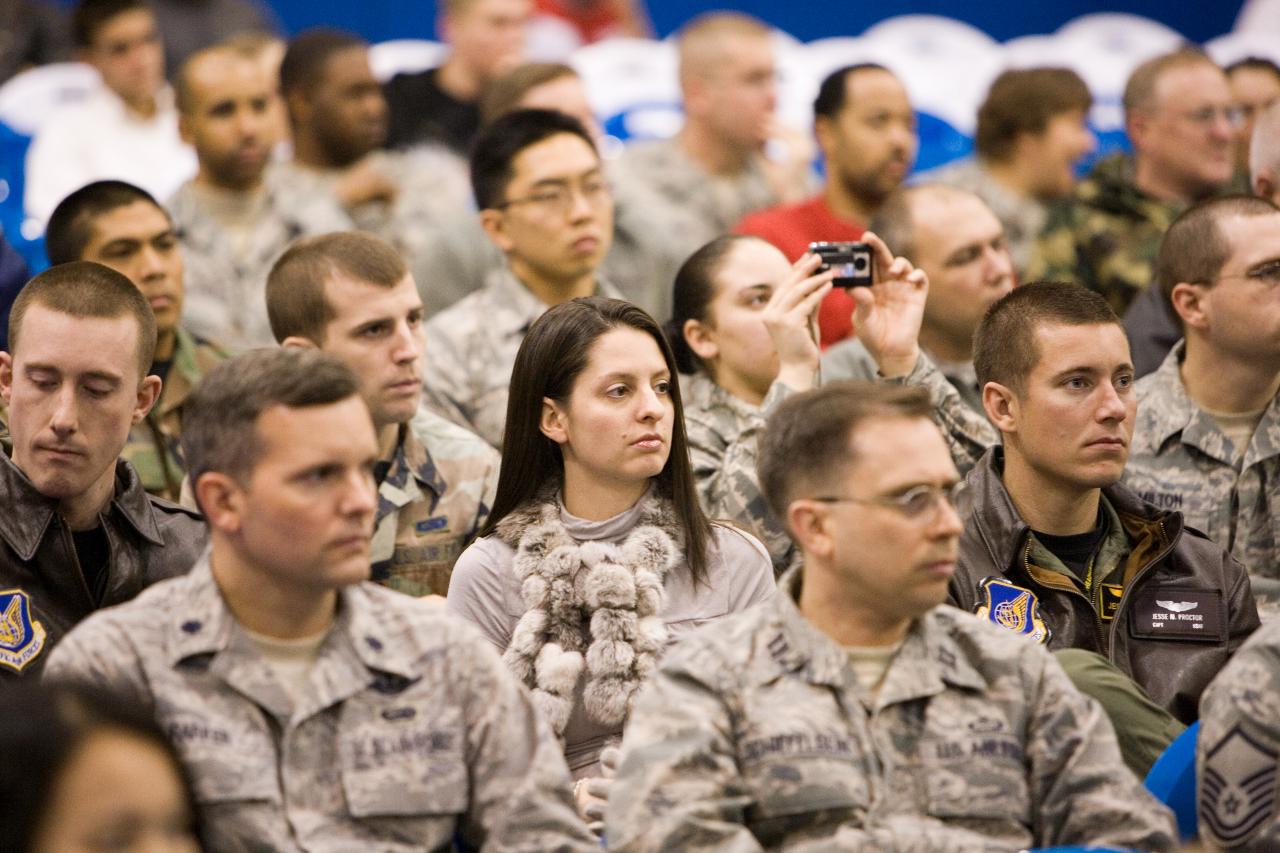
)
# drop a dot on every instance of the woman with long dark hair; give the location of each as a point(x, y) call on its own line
point(597, 554)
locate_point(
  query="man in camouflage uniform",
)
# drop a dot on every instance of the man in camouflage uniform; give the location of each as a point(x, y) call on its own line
point(1207, 438)
point(314, 711)
point(232, 219)
point(854, 712)
point(1178, 116)
point(123, 227)
point(544, 202)
point(436, 481)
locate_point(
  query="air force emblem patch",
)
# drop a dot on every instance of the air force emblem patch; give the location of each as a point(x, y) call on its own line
point(21, 637)
point(1239, 788)
point(1013, 608)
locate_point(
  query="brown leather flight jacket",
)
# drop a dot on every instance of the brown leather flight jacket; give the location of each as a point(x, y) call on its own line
point(1185, 607)
point(43, 592)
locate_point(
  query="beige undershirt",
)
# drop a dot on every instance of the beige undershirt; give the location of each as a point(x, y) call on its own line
point(1238, 428)
point(290, 660)
point(239, 213)
point(870, 664)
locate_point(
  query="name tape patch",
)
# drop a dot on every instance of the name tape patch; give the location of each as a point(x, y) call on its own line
point(1179, 614)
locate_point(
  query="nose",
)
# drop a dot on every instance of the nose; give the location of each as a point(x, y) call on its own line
point(1111, 407)
point(153, 263)
point(947, 522)
point(65, 418)
point(409, 345)
point(359, 498)
point(652, 406)
point(999, 264)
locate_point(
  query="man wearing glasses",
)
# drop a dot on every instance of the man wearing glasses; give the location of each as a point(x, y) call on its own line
point(853, 711)
point(1181, 120)
point(545, 203)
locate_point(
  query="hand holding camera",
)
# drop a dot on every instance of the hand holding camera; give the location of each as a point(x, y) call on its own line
point(791, 318)
point(890, 310)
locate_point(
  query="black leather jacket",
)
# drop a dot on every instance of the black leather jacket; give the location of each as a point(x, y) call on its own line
point(43, 592)
point(1176, 579)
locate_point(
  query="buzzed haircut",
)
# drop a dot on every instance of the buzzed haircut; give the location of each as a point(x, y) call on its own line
point(806, 448)
point(1140, 90)
point(1004, 346)
point(304, 60)
point(1264, 147)
point(87, 290)
point(504, 93)
point(296, 301)
point(91, 15)
point(701, 42)
point(70, 225)
point(1194, 249)
point(495, 149)
point(183, 96)
point(1253, 63)
point(1024, 101)
point(894, 221)
point(219, 419)
point(833, 93)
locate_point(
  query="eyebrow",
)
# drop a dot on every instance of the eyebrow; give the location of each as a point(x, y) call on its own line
point(1093, 371)
point(88, 374)
point(561, 181)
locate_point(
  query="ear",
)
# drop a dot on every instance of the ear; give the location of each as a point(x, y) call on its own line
point(184, 129)
point(694, 94)
point(1189, 302)
point(810, 526)
point(298, 342)
point(1136, 125)
point(1265, 185)
point(494, 223)
point(6, 376)
point(298, 108)
point(825, 133)
point(552, 423)
point(148, 393)
point(1001, 406)
point(221, 500)
point(701, 339)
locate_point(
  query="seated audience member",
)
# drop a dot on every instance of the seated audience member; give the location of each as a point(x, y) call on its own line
point(1178, 117)
point(744, 341)
point(126, 129)
point(1032, 132)
point(1205, 441)
point(232, 219)
point(313, 710)
point(120, 226)
point(79, 532)
point(1264, 155)
point(98, 774)
point(1238, 749)
point(960, 245)
point(854, 712)
point(1255, 86)
point(713, 172)
point(544, 202)
point(597, 504)
point(441, 105)
point(866, 129)
point(350, 295)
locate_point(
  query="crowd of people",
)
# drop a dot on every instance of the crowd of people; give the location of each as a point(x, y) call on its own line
point(385, 467)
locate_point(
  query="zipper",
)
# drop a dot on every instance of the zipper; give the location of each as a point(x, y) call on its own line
point(1099, 632)
point(1124, 595)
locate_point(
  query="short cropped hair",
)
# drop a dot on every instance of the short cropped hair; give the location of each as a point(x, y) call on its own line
point(70, 226)
point(1195, 248)
point(504, 93)
point(1024, 101)
point(86, 289)
point(309, 52)
point(1140, 90)
point(495, 149)
point(91, 15)
point(833, 93)
point(1253, 63)
point(701, 41)
point(220, 418)
point(1004, 347)
point(296, 301)
point(806, 447)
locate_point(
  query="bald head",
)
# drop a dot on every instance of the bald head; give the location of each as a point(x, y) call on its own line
point(1264, 155)
point(895, 221)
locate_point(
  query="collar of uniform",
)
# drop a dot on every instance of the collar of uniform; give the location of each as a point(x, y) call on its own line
point(797, 645)
point(202, 625)
point(411, 458)
point(992, 513)
point(705, 394)
point(183, 374)
point(520, 308)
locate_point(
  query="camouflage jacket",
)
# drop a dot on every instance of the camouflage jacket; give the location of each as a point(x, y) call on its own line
point(225, 289)
point(471, 348)
point(1023, 217)
point(1238, 750)
point(849, 359)
point(408, 733)
point(1106, 236)
point(432, 502)
point(152, 447)
point(723, 433)
point(755, 734)
point(1180, 459)
point(967, 431)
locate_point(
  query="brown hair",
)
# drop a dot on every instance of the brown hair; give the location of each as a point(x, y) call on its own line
point(806, 446)
point(296, 302)
point(1024, 101)
point(692, 294)
point(1004, 347)
point(1140, 90)
point(87, 289)
point(504, 94)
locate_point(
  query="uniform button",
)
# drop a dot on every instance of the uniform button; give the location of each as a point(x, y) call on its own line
point(374, 643)
point(192, 626)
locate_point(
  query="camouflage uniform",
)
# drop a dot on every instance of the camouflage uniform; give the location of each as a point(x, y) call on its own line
point(225, 288)
point(754, 734)
point(408, 733)
point(1180, 459)
point(723, 433)
point(1238, 749)
point(152, 446)
point(471, 348)
point(432, 502)
point(1106, 236)
point(1023, 217)
point(968, 433)
point(849, 359)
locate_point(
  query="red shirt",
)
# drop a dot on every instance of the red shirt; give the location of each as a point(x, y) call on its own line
point(792, 227)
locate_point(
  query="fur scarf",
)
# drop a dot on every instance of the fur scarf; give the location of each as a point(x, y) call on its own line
point(589, 604)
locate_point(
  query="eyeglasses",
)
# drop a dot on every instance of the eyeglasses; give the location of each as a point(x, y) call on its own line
point(918, 503)
point(1268, 273)
point(557, 199)
point(1206, 116)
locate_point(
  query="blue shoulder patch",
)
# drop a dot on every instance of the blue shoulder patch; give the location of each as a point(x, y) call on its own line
point(21, 637)
point(1013, 608)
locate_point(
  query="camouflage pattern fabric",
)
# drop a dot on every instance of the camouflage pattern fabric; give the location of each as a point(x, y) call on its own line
point(1106, 236)
point(409, 733)
point(434, 499)
point(755, 734)
point(967, 432)
point(1023, 217)
point(849, 359)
